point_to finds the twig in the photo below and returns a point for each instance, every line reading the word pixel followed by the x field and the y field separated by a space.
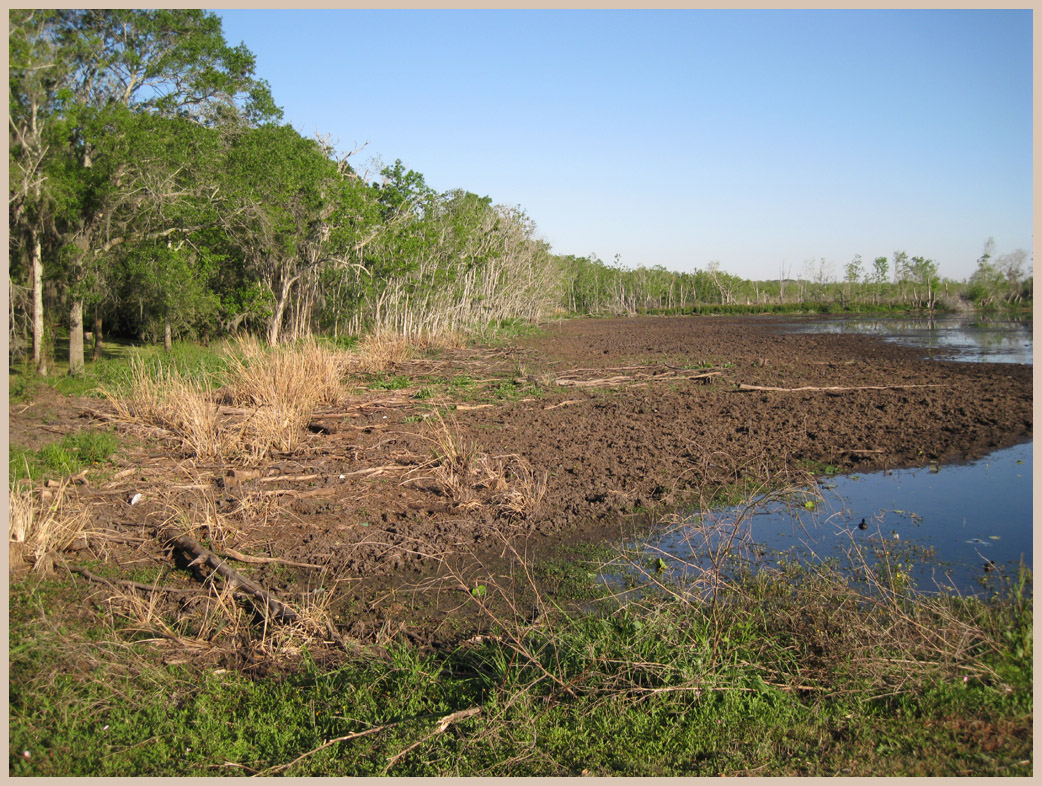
pixel 373 470
pixel 565 403
pixel 133 584
pixel 743 386
pixel 274 478
pixel 442 726
pixel 238 555
pixel 323 746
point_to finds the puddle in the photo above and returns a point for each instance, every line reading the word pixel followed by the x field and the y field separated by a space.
pixel 971 339
pixel 956 528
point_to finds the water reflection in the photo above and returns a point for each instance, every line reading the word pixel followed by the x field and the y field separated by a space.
pixel 976 338
pixel 958 528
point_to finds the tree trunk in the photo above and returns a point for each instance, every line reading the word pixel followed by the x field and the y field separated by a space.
pixel 275 326
pixel 39 356
pixel 168 343
pixel 76 337
pixel 98 349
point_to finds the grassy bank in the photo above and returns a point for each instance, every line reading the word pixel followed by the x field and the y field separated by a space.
pixel 778 676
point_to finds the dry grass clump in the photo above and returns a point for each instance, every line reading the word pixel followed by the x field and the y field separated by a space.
pixel 42 523
pixel 281 387
pixel 221 619
pixel 472 478
pixel 379 351
pixel 275 390
pixel 164 399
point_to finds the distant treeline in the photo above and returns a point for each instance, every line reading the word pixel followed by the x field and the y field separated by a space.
pixel 154 191
pixel 592 286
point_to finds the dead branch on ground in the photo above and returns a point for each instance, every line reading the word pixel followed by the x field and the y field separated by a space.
pixel 833 388
pixel 262 600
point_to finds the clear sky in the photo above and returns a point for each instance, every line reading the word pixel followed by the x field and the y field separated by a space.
pixel 758 139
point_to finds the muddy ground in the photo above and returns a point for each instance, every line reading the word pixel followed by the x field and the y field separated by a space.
pixel 617 417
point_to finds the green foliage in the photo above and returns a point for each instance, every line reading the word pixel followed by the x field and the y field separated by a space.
pixel 694 690
pixel 72 454
pixel 389 383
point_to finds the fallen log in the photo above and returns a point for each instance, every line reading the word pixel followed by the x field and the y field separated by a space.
pixel 262 600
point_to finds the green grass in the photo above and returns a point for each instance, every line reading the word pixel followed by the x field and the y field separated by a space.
pixel 382 382
pixel 506 331
pixel 70 456
pixel 743 686
pixel 113 369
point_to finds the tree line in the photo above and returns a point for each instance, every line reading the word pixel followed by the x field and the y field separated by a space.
pixel 155 191
pixel 899 281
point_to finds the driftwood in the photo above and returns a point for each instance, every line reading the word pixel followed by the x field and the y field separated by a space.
pixel 262 600
pixel 443 725
pixel 441 728
pixel 836 388
pixel 565 403
pixel 635 379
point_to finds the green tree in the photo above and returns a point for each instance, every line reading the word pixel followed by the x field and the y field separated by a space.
pixel 922 273
pixel 164 63
pixel 37 69
pixel 852 272
pixel 280 186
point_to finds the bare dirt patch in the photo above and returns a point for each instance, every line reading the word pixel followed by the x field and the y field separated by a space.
pixel 558 439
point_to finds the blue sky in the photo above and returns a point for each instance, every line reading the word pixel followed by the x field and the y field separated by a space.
pixel 758 139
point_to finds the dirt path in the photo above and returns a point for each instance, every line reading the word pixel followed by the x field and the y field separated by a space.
pixel 613 416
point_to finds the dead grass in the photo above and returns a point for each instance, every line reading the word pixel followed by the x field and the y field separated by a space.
pixel 43 522
pixel 281 388
pixel 273 393
pixel 472 478
pixel 215 622
pixel 377 352
pixel 183 408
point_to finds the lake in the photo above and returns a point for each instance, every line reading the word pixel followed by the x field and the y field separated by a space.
pixel 960 527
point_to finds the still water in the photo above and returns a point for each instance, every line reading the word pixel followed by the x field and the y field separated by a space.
pixel 976 338
pixel 961 528
pixel 953 528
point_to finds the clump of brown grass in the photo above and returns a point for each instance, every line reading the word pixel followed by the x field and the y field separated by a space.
pixel 214 622
pixel 453 460
pixel 522 489
pixel 281 387
pixel 379 351
pixel 471 477
pixel 43 522
pixel 277 390
pixel 164 399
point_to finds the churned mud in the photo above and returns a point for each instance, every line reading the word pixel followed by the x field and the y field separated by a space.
pixel 488 459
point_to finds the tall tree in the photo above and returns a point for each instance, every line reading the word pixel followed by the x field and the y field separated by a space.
pixel 37 68
pixel 166 63
pixel 281 184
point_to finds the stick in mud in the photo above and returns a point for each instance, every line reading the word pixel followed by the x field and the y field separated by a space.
pixel 264 601
pixel 831 388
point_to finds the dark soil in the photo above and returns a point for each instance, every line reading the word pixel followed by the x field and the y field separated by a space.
pixel 623 416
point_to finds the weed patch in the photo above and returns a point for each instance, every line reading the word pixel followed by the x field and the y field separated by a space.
pixel 74 453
